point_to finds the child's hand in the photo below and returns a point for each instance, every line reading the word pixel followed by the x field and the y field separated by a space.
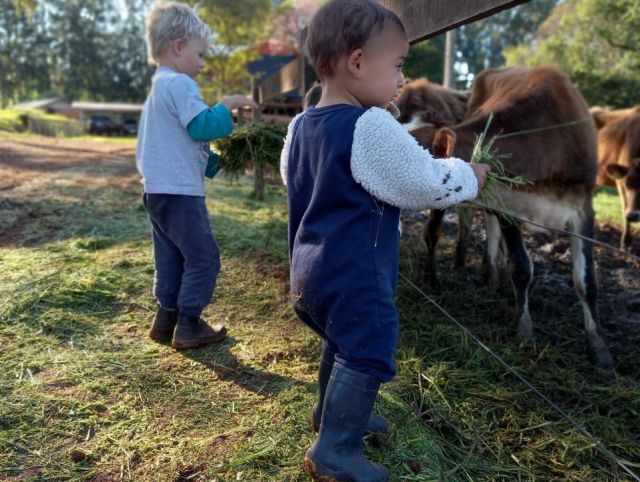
pixel 480 170
pixel 237 101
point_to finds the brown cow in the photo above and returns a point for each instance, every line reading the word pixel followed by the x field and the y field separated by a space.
pixel 619 161
pixel 424 107
pixel 561 164
pixel 424 103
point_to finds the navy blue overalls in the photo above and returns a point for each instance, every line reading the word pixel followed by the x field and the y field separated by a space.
pixel 343 245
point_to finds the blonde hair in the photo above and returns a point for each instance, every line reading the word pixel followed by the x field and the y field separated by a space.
pixel 169 21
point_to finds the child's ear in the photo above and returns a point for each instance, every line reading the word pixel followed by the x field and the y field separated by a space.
pixel 354 63
pixel 177 45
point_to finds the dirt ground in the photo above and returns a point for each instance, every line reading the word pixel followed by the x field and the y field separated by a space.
pixel 32 167
pixel 551 291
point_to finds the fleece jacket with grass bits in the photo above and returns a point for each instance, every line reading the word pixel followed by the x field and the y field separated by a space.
pixel 176 127
pixel 348 172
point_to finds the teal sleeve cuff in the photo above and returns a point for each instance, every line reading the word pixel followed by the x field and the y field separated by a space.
pixel 213 165
pixel 211 124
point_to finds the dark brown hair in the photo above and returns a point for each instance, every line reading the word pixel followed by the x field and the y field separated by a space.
pixel 342 26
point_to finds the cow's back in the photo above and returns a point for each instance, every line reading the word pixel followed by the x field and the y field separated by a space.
pixel 554 141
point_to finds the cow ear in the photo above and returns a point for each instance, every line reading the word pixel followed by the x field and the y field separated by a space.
pixel 444 142
pixel 616 171
pixel 599 116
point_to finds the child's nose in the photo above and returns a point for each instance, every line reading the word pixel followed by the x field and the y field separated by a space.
pixel 401 81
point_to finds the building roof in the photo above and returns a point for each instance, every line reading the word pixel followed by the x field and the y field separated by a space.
pixel 40 103
pixel 268 64
pixel 107 107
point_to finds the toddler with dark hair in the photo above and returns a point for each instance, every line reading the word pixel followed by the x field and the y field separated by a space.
pixel 350 167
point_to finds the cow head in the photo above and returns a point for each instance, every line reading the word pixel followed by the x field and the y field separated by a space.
pixel 312 96
pixel 628 180
pixel 423 103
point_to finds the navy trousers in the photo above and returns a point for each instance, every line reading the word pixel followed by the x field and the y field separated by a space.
pixel 186 254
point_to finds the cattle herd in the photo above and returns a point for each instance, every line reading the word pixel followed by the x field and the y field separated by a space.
pixel 544 132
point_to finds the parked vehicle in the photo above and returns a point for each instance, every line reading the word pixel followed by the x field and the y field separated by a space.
pixel 129 127
pixel 102 124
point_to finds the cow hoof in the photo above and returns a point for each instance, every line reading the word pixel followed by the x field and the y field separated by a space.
pixel 526 337
pixel 525 329
pixel 599 353
pixel 598 350
pixel 601 359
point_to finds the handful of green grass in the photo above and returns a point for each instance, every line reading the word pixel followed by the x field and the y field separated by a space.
pixel 258 144
pixel 484 152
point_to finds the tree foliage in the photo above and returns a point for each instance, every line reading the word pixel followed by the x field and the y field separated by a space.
pixel 597 42
pixel 23 53
pixel 238 27
pixel 480 45
pixel 80 49
pixel 425 59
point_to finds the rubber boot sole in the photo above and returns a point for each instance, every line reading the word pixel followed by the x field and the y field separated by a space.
pixel 310 469
pixel 198 342
pixel 161 336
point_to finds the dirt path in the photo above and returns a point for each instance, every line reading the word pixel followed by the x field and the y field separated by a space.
pixel 40 176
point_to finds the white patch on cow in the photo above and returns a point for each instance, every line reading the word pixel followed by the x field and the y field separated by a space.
pixel 494 236
pixel 579 279
pixel 525 323
pixel 416 122
pixel 547 209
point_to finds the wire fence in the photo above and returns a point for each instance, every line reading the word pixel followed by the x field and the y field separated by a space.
pixel 599 445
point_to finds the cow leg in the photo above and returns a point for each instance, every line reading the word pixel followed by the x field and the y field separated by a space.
pixel 432 232
pixel 625 240
pixel 494 238
pixel 584 279
pixel 521 271
pixel 464 219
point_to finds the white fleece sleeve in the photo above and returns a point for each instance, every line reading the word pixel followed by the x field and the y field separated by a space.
pixel 390 164
pixel 284 155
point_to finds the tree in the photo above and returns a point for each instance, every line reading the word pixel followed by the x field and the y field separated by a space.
pixel 128 70
pixel 237 28
pixel 425 59
pixel 480 45
pixel 81 49
pixel 597 42
pixel 79 31
pixel 23 53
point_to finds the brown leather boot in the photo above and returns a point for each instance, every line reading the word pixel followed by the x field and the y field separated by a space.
pixel 163 324
pixel 193 331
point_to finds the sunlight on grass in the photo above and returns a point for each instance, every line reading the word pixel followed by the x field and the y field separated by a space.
pixel 606 204
pixel 84 393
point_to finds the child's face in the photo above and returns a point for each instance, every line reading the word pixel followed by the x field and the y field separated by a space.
pixel 191 57
pixel 382 67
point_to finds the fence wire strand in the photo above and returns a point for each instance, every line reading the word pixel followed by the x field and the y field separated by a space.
pixel 484 207
pixel 599 445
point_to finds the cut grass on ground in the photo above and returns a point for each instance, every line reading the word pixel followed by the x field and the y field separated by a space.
pixel 86 395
